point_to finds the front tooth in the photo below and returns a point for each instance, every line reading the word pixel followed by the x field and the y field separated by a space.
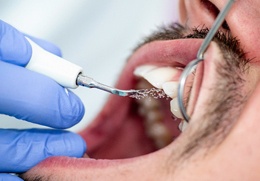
pixel 170 88
pixel 141 70
pixel 175 108
pixel 160 75
pixel 183 125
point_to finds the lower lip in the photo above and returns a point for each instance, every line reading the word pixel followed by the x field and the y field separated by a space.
pixel 80 163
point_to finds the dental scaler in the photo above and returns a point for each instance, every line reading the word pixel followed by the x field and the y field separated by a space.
pixel 66 73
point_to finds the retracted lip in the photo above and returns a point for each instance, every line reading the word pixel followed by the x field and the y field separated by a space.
pixel 175 53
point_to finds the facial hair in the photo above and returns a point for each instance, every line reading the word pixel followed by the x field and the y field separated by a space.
pixel 224 108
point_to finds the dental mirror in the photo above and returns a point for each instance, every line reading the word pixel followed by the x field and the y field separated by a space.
pixel 191 77
pixel 190 84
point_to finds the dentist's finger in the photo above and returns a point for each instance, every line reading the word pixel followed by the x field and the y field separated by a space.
pixel 23 149
pixel 8 177
pixel 36 98
pixel 50 47
pixel 15 48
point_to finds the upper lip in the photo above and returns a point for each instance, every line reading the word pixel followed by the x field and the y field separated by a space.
pixel 175 53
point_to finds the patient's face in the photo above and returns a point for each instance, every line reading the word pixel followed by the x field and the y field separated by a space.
pixel 140 139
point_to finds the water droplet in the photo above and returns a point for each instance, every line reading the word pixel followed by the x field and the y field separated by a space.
pixel 153 92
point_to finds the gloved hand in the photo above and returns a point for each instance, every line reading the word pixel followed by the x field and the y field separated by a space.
pixel 36 98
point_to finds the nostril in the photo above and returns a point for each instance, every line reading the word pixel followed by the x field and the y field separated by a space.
pixel 214 11
pixel 225 25
pixel 210 7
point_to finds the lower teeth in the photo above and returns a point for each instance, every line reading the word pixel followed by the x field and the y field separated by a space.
pixel 150 109
pixel 160 134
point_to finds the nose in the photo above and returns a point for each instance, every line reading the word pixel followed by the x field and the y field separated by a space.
pixel 197 13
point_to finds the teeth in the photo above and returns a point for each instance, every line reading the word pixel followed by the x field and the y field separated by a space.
pixel 170 88
pixel 155 129
pixel 175 108
pixel 160 134
pixel 183 125
pixel 156 75
pixel 147 105
pixel 160 75
pixel 142 70
pixel 162 78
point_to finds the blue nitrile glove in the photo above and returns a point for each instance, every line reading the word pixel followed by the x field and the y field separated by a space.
pixel 22 149
pixel 28 95
pixel 35 98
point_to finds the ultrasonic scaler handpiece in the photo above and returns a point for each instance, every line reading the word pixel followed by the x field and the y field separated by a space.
pixel 66 73
pixel 91 83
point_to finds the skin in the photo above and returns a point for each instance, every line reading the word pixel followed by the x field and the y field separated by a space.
pixel 222 139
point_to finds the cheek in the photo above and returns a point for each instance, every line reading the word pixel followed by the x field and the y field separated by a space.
pixel 251 80
pixel 248 35
pixel 193 14
pixel 244 22
pixel 182 12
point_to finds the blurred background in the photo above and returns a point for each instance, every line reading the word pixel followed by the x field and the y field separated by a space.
pixel 98 35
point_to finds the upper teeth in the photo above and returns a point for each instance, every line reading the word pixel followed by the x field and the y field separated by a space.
pixel 163 78
pixel 157 76
pixel 170 88
pixel 175 108
pixel 140 71
pixel 183 125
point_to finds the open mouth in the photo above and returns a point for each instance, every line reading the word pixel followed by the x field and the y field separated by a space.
pixel 129 131
pixel 129 136
pixel 127 127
